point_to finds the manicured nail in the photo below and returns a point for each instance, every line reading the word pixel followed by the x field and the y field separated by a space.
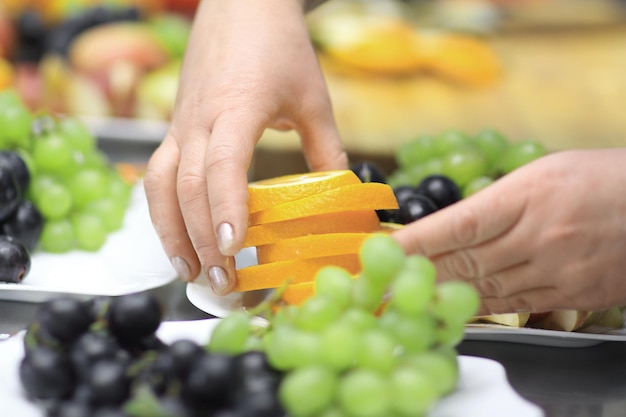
pixel 225 238
pixel 218 280
pixel 182 268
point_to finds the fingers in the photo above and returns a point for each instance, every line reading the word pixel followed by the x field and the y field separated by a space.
pixel 321 144
pixel 193 198
pixel 531 301
pixel 470 222
pixel 160 186
pixel 228 157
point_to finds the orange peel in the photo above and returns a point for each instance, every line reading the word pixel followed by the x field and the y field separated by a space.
pixel 362 196
pixel 267 193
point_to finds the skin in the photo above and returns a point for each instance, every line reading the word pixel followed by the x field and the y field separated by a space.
pixel 550 235
pixel 249 66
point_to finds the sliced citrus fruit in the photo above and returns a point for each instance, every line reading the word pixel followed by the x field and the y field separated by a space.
pixel 311 246
pixel 274 191
pixel 273 275
pixel 342 222
pixel 297 294
pixel 362 196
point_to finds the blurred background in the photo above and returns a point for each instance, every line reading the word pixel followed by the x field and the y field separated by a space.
pixel 553 71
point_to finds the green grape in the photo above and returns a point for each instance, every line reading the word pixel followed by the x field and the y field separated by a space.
pixel 334 282
pixel 231 334
pixel 432 166
pixel 111 214
pixel 53 154
pixel 88 185
pixel 289 348
pixel 307 392
pixel 398 178
pixel 78 135
pixel 493 144
pixel 53 200
pixel 415 334
pixel 377 351
pixel 16 121
pixel 412 393
pixel 317 312
pixel 119 190
pixel 94 159
pixel 9 98
pixel 463 165
pixel 439 367
pixel 450 334
pixel 57 236
pixel 450 141
pixel 284 316
pixel 519 154
pixel 339 345
pixel 381 258
pixel 415 152
pixel 415 174
pixel 39 183
pixel 476 185
pixel 253 343
pixel 364 393
pixel 367 295
pixel 332 412
pixel 456 302
pixel 413 290
pixel 359 319
pixel 89 231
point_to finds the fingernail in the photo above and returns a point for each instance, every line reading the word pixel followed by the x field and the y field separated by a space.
pixel 218 279
pixel 225 238
pixel 182 268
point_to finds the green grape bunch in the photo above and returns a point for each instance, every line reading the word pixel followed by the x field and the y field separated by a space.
pixel 380 344
pixel 60 193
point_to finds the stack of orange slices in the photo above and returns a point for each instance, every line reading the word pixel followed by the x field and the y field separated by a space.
pixel 301 223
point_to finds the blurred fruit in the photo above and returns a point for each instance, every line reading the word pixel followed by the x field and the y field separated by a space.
pixel 156 92
pixel 510 319
pixel 462 59
pixel 377 44
pixel 14 260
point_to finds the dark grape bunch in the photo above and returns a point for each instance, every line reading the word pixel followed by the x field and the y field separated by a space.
pixel 58 191
pixel 436 171
pixel 20 220
pixel 102 358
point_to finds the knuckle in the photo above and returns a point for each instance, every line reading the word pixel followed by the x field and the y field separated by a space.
pixel 461 264
pixel 466 227
pixel 489 287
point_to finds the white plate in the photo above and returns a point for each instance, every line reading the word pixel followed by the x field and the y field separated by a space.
pixel 131 260
pixel 483 389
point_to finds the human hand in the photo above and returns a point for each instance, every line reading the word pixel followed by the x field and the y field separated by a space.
pixel 249 66
pixel 550 235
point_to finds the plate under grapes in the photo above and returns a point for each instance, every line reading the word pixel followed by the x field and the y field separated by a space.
pixel 131 260
pixel 482 390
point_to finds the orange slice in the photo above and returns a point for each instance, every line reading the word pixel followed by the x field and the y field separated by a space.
pixel 343 222
pixel 274 191
pixel 362 196
pixel 273 275
pixel 311 246
pixel 297 294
